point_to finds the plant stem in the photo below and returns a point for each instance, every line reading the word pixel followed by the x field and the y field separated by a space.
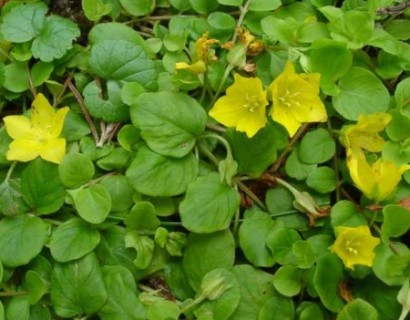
pixel 10 172
pixel 13 293
pixel 87 116
pixel 249 193
pixel 244 11
pixel 288 148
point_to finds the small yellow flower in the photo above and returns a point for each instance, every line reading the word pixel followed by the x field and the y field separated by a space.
pixel 243 106
pixel 296 99
pixel 202 54
pixel 38 135
pixel 365 133
pixel 355 245
pixel 377 181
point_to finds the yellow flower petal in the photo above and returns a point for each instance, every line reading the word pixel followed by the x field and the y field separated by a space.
pixel 296 99
pixel 42 113
pixel 23 150
pixel 243 106
pixel 365 133
pixel 196 68
pixel 361 172
pixel 58 122
pixel 19 127
pixel 53 150
pixel 355 245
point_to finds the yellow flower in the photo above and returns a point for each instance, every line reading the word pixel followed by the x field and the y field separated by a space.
pixel 38 135
pixel 296 99
pixel 365 133
pixel 243 106
pixel 377 181
pixel 355 245
pixel 202 54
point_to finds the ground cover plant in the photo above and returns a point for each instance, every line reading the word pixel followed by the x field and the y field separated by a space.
pixel 204 159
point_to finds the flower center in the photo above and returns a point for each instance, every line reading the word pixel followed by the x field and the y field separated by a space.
pixel 351 246
pixel 252 103
pixel 288 98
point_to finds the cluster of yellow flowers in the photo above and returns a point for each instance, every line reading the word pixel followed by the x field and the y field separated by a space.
pixel 379 180
pixel 295 100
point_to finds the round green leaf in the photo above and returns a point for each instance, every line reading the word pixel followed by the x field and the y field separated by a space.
pixel 264 5
pixel 23 23
pixel 326 283
pixel 288 280
pixel 221 21
pixel 204 6
pixel 94 10
pixel 252 239
pixel 16 77
pixel 142 217
pixel 138 8
pixel 399 126
pixel 280 242
pixel 277 308
pixel 209 205
pixel 18 308
pixel 204 253
pixel 317 146
pixel 75 170
pixel 77 287
pixel 93 204
pixel 169 122
pixel 396 221
pixel 322 180
pixel 304 254
pixel 121 192
pixel 22 238
pixel 41 186
pixel 114 31
pixel 73 239
pixel 358 309
pixel 111 109
pixel 35 285
pixel 361 92
pixel 163 310
pixel 40 72
pixel 155 175
pixel 297 169
pixel 344 213
pixel 122 60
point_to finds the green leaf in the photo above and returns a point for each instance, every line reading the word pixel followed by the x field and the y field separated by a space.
pixel 93 204
pixel 77 287
pixel 11 199
pixel 253 233
pixel 55 38
pixel 332 60
pixel 204 6
pixel 288 280
pixel 399 126
pixel 326 283
pixel 41 186
pixel 138 8
pixel 235 3
pixel 322 179
pixel 303 251
pixel 361 92
pixel 23 22
pixel 142 217
pixel 22 238
pixel 402 97
pixel 223 294
pixel 75 127
pixel 18 308
pixel 396 221
pixel 317 146
pixel 73 239
pixel 35 285
pixel 256 289
pixel 111 108
pixel 16 77
pixel 115 160
pixel 144 246
pixel 264 5
pixel 310 310
pixel 277 308
pixel 209 205
pixel 280 241
pixel 122 303
pixel 255 155
pixel 297 169
pixel 130 92
pixel 40 72
pixel 121 192
pixel 169 122
pixel 123 60
pixel 155 175
pixel 358 309
pixel 205 253
pixel 163 310
pixel 94 10
pixel 344 213
pixel 75 170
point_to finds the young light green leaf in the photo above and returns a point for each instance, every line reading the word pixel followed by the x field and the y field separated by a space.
pixel 75 170
pixel 55 38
